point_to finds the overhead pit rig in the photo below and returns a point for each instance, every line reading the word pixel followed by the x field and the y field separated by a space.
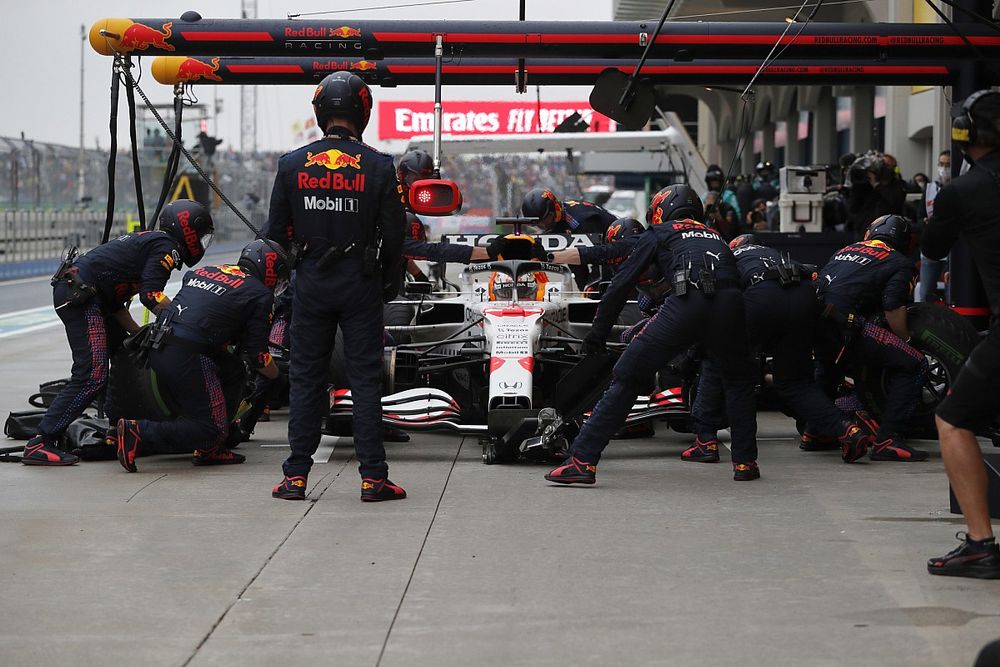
pixel 717 54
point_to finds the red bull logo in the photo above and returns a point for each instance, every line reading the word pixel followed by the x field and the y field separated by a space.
pixel 270 269
pixel 193 69
pixel 657 218
pixel 232 270
pixel 139 37
pixel 363 65
pixel 191 239
pixel 333 159
pixel 345 32
pixel 228 275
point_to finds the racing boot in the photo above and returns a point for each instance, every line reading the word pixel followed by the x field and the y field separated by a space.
pixel 290 488
pixel 40 452
pixel 746 472
pixel 127 440
pixel 216 457
pixel 703 451
pixel 813 442
pixel 377 490
pixel 978 559
pixel 894 448
pixel 865 420
pixel 854 442
pixel 573 471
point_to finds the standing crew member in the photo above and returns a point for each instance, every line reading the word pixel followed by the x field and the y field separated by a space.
pixel 216 306
pixel 706 305
pixel 569 217
pixel 862 284
pixel 340 199
pixel 782 315
pixel 91 295
pixel 970 207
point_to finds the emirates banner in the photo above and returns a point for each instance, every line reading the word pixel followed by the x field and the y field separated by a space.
pixel 403 120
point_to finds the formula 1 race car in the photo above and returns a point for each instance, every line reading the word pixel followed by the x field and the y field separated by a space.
pixel 486 360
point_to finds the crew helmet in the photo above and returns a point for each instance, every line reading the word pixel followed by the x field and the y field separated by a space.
pixel 265 260
pixel 190 224
pixel 675 202
pixel 544 205
pixel 894 230
pixel 343 95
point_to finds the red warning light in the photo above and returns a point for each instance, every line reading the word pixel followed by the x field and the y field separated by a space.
pixel 432 196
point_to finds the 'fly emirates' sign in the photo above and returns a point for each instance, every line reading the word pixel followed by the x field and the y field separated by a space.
pixel 402 120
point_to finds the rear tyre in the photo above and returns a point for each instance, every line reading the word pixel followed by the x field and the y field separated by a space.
pixel 946 339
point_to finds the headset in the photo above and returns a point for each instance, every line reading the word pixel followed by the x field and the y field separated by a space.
pixel 963 126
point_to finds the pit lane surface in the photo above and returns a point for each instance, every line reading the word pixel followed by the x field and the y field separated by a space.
pixel 663 562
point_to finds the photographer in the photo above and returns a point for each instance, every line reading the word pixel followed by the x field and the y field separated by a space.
pixel 876 190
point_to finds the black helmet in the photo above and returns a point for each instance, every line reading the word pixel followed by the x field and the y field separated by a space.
pixel 265 260
pixel 742 240
pixel 343 95
pixel 190 224
pixel 623 228
pixel 894 230
pixel 413 166
pixel 761 166
pixel 540 203
pixel 674 202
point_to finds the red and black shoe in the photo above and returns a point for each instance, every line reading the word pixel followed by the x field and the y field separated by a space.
pixel 864 419
pixel 377 490
pixel 703 451
pixel 40 452
pixel 573 471
pixel 127 441
pixel 969 559
pixel 854 443
pixel 812 442
pixel 265 415
pixel 290 488
pixel 216 457
pixel 746 472
pixel 894 448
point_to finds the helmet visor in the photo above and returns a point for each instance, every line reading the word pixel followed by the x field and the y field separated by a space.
pixel 206 241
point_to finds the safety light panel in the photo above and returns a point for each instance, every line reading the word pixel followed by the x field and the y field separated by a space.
pixel 433 196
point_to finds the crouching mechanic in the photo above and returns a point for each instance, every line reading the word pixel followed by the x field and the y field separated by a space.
pixel 216 305
pixel 91 295
pixel 970 207
pixel 782 315
pixel 862 284
pixel 352 264
pixel 705 306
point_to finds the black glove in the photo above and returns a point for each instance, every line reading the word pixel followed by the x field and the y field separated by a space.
pixel 594 344
pixel 496 248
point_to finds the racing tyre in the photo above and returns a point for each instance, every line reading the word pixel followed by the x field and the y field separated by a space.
pixel 946 339
pixel 135 390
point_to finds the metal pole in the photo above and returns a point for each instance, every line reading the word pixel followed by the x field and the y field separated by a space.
pixel 966 293
pixel 80 170
pixel 438 57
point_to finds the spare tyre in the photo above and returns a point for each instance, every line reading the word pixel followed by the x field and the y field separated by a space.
pixel 946 339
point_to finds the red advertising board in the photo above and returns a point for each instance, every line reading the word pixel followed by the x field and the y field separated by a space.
pixel 403 119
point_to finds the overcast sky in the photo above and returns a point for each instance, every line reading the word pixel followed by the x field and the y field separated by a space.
pixel 42 48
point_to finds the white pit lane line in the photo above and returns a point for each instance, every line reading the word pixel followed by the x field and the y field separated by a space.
pixel 21 322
